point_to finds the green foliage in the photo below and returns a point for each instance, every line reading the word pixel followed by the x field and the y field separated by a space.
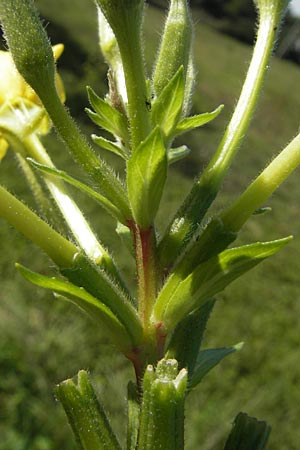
pixel 179 177
pixel 146 177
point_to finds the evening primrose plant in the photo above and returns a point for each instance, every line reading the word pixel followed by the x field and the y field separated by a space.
pixel 180 271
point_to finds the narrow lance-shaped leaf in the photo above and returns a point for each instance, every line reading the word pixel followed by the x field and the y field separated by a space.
pixel 104 202
pixel 146 177
pixel 189 123
pixel 94 308
pixel 208 359
pixel 167 108
pixel 107 117
pixel 86 415
pixel 187 337
pixel 113 147
pixel 210 278
pixel 248 433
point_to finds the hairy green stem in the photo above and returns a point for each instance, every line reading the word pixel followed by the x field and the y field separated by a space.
pixel 60 250
pixel 204 191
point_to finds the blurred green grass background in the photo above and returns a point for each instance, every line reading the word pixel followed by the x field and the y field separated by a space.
pixel 43 342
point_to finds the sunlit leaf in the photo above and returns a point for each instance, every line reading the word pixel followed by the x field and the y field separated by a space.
pixel 110 146
pixel 80 297
pixel 107 117
pixel 167 108
pixel 146 177
pixel 192 122
pixel 211 277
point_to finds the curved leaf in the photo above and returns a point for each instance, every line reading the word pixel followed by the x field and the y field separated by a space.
pixel 189 123
pixel 210 278
pixel 93 307
pixel 167 108
pixel 107 117
pixel 146 177
pixel 208 359
pixel 112 147
pixel 104 202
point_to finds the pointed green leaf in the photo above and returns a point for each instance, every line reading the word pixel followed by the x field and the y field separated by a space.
pixel 167 108
pixel 190 123
pixel 187 337
pixel 86 415
pixel 248 433
pixel 95 309
pixel 208 359
pixel 107 117
pixel 209 278
pixel 178 153
pixel 146 177
pixel 104 202
pixel 110 146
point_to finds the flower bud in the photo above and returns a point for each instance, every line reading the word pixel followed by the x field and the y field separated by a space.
pixel 175 45
pixel 121 15
pixel 29 44
pixel 110 50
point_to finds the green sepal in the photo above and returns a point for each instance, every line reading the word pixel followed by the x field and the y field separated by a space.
pixel 107 117
pixel 94 308
pixel 189 123
pixel 167 108
pixel 187 337
pixel 146 177
pixel 86 415
pixel 103 201
pixel 208 359
pixel 98 283
pixel 248 433
pixel 209 278
pixel 133 415
pixel 112 147
pixel 178 153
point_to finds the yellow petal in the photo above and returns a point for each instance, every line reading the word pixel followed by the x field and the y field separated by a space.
pixel 3 147
pixel 57 50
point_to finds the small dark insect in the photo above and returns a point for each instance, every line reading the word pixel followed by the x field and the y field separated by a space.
pixel 148 105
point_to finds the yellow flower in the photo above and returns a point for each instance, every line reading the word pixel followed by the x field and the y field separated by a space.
pixel 14 89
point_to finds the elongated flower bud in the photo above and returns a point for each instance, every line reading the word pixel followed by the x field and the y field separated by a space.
pixel 175 45
pixel 28 44
pixel 121 13
pixel 110 50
